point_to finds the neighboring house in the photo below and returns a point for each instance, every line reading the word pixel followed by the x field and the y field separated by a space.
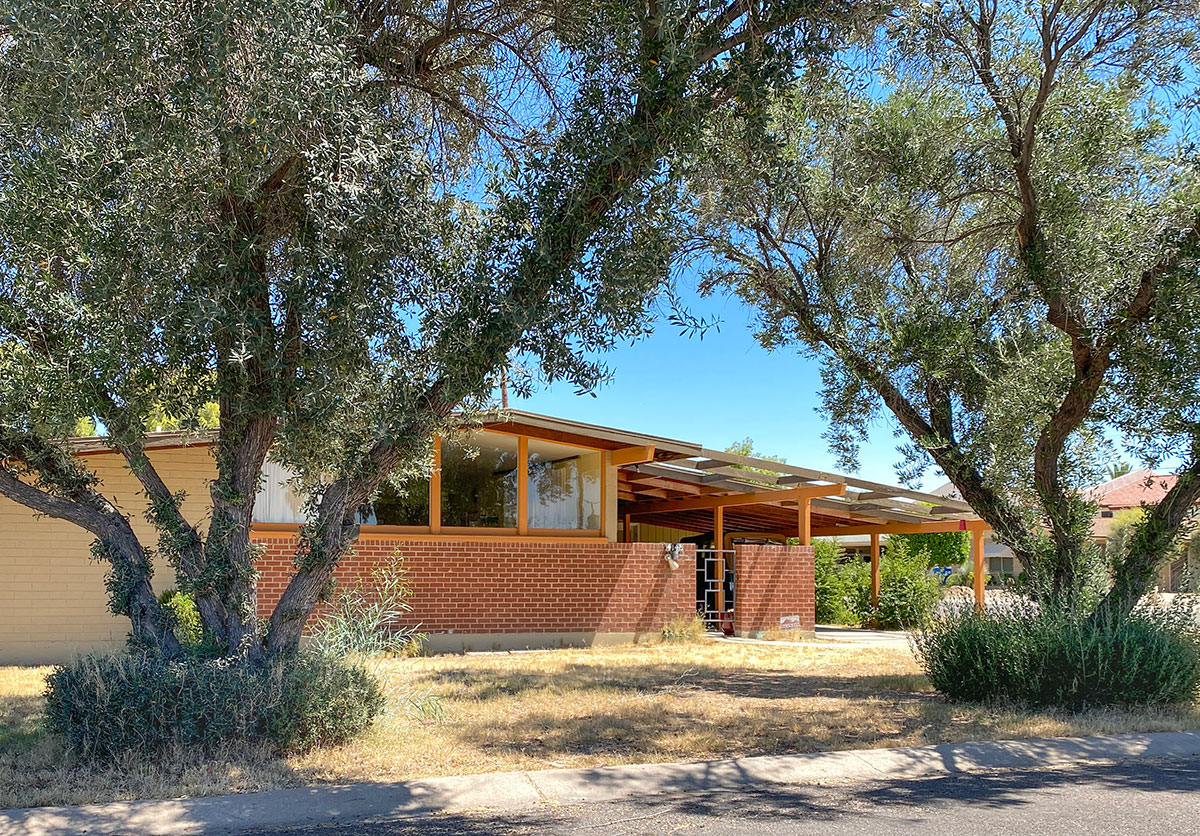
pixel 531 531
pixel 1125 493
pixel 1131 492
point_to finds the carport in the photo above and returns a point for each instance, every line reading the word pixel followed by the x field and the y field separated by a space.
pixel 732 497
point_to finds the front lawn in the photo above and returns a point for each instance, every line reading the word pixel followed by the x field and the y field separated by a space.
pixel 563 708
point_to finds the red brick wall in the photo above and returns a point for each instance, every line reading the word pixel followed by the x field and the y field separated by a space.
pixel 774 581
pixel 515 587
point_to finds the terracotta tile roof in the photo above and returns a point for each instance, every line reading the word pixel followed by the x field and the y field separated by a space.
pixel 1132 489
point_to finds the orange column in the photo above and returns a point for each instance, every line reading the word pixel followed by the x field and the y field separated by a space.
pixel 805 521
pixel 719 543
pixel 523 485
pixel 875 573
pixel 435 488
pixel 627 532
pixel 980 576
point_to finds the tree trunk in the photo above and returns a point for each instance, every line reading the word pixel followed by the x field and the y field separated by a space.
pixel 229 555
pixel 130 573
pixel 322 546
pixel 130 592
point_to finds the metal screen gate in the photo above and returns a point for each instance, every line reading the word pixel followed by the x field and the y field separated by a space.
pixel 715 585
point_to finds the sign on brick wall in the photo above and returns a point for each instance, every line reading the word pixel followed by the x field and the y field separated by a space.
pixel 789 622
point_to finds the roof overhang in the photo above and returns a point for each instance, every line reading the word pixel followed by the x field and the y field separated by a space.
pixel 756 495
pixel 660 480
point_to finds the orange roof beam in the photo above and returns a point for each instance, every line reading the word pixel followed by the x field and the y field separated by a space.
pixel 633 455
pixel 799 494
pixel 903 528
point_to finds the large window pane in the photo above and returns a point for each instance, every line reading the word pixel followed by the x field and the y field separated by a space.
pixel 407 504
pixel 479 481
pixel 564 486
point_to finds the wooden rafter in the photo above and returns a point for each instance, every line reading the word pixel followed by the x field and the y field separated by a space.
pixel 878 490
pixel 902 528
pixel 727 500
pixel 633 455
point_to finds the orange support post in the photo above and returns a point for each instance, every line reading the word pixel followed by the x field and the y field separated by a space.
pixel 980 576
pixel 875 571
pixel 435 488
pixel 805 521
pixel 719 563
pixel 523 485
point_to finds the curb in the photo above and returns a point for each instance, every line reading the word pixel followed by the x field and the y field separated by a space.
pixel 514 791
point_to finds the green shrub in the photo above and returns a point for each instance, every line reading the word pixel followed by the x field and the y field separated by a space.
pixel 907 593
pixel 185 618
pixel 966 579
pixel 834 583
pixel 941 548
pixel 1019 655
pixel 365 616
pixel 106 706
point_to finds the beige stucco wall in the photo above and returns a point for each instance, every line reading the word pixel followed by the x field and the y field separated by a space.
pixel 53 603
pixel 645 533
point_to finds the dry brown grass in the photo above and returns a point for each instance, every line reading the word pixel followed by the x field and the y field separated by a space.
pixel 562 708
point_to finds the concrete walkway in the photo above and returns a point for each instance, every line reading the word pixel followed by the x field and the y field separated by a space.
pixel 863 638
pixel 826 633
pixel 512 792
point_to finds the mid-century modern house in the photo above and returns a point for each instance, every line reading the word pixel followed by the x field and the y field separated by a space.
pixel 530 531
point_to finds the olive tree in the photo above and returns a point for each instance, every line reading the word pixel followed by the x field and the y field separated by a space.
pixel 988 225
pixel 338 222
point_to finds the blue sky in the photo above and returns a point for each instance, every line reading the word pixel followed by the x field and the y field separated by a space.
pixel 718 390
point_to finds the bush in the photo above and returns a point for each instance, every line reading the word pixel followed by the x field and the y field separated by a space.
pixel 834 583
pixel 941 548
pixel 107 706
pixel 684 629
pixel 1022 655
pixel 185 618
pixel 967 579
pixel 907 593
pixel 365 616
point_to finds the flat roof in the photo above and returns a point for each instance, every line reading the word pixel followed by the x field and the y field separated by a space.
pixel 662 490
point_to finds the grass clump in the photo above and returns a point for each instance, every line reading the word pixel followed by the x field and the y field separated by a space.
pixel 683 628
pixel 366 617
pixel 109 706
pixel 1022 655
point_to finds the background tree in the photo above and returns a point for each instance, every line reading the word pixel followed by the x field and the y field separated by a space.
pixel 941 548
pixel 1117 469
pixel 983 237
pixel 337 222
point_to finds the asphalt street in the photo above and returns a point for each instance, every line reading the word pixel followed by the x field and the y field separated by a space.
pixel 1129 799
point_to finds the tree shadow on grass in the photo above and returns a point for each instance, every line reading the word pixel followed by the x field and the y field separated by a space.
pixel 21 722
pixel 688 729
pixel 740 682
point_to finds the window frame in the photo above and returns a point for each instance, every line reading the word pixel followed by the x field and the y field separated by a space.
pixel 435 526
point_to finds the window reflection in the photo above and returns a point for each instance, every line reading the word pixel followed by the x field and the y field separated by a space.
pixel 406 504
pixel 479 481
pixel 564 486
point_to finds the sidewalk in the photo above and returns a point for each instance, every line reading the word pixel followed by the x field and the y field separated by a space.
pixel 517 791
